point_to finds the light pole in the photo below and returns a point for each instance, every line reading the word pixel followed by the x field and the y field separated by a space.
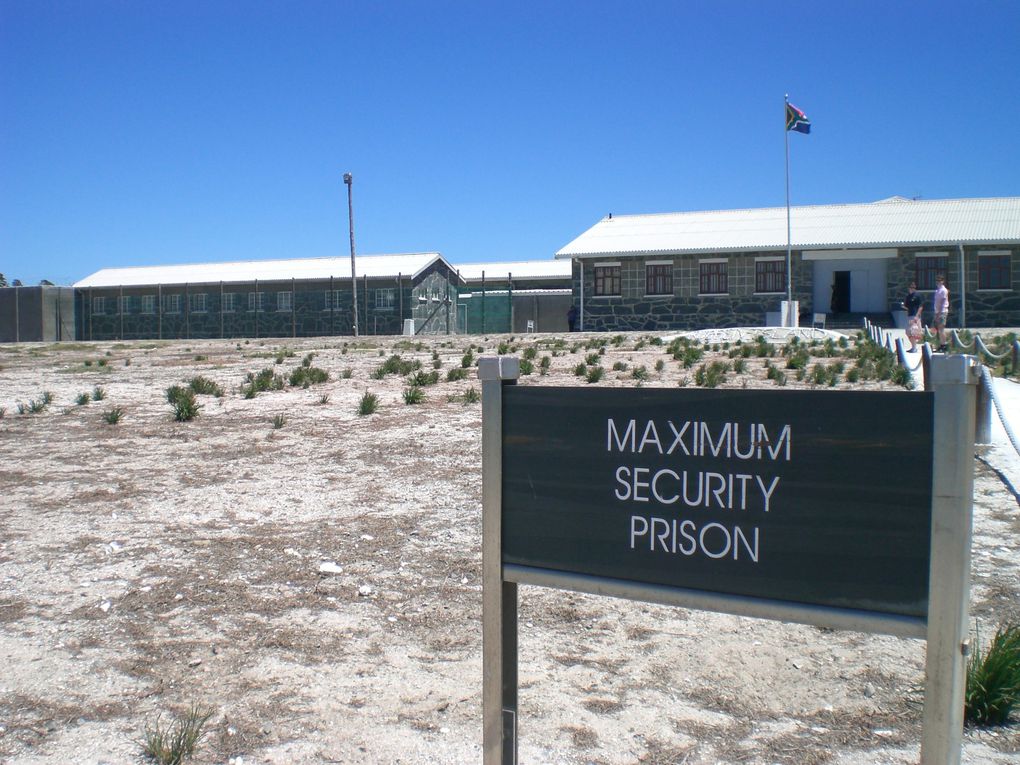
pixel 349 180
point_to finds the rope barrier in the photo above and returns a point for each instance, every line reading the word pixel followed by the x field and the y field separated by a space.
pixel 987 381
pixel 958 342
pixel 982 348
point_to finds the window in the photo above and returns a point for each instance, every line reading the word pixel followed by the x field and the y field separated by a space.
pixel 385 299
pixel 770 275
pixel 331 300
pixel 197 302
pixel 256 301
pixel 993 271
pixel 149 304
pixel 928 267
pixel 171 304
pixel 284 301
pixel 607 280
pixel 229 302
pixel 124 304
pixel 98 305
pixel 712 279
pixel 659 279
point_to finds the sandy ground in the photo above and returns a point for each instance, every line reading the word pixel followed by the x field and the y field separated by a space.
pixel 153 565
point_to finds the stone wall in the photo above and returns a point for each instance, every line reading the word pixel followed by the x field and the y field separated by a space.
pixel 685 308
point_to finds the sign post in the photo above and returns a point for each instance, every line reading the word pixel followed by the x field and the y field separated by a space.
pixel 840 510
pixel 499 597
pixel 955 382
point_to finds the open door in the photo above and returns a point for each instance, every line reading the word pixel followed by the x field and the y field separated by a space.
pixel 840 292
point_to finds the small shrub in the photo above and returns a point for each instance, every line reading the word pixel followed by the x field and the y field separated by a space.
pixel 47 398
pixel 472 396
pixel 580 370
pixel 102 362
pixel 620 366
pixel 413 395
pixel 592 359
pixel 205 387
pixel 467 359
pixel 639 373
pixel 503 348
pixel 527 367
pixel 544 364
pixel 993 678
pixel 324 399
pixel 98 393
pixel 659 365
pixel 82 399
pixel 456 373
pixel 594 374
pixel 740 366
pixel 182 401
pixel 530 353
pixel 87 362
pixel 279 421
pixel 347 374
pixel 175 743
pixel 421 379
pixel 304 376
pixel 369 404
pixel 112 416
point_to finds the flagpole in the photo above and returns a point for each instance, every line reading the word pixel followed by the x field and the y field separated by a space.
pixel 789 271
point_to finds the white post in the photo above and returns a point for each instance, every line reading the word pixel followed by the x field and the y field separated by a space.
pixel 954 381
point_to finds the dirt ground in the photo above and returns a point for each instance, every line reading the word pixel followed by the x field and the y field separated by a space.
pixel 152 565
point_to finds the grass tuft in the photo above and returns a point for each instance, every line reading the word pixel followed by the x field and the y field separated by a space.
pixel 170 745
pixel 369 404
pixel 113 416
pixel 993 679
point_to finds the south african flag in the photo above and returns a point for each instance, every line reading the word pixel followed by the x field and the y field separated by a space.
pixel 797 120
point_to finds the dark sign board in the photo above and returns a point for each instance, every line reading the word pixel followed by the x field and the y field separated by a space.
pixel 813 497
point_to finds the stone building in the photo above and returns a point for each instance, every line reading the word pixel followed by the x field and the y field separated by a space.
pixel 728 268
pixel 269 298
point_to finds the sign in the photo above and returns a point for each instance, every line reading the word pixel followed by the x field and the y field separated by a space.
pixel 811 497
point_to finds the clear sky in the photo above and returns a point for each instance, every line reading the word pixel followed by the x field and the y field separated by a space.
pixel 149 133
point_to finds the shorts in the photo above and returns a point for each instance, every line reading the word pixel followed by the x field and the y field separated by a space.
pixel 940 320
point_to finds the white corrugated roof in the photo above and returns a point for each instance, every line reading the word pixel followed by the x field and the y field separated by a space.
pixel 372 266
pixel 520 269
pixel 890 222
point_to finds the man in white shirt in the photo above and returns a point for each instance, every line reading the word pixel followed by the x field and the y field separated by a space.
pixel 940 307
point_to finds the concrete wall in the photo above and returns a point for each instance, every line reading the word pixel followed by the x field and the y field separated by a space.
pixel 36 314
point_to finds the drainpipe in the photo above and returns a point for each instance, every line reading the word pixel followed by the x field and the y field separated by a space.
pixel 581 325
pixel 963 290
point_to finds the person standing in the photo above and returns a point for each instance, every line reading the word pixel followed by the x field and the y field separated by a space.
pixel 940 306
pixel 572 317
pixel 914 307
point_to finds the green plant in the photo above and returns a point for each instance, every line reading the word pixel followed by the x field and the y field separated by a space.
pixel 182 401
pixel 369 404
pixel 711 375
pixel 527 367
pixel 993 678
pixel 420 379
pixel 659 365
pixel 740 366
pixel 414 395
pixel 204 386
pixel 304 376
pixel 619 366
pixel 102 362
pixel 170 745
pixel 278 421
pixel 472 396
pixel 112 416
pixel 98 393
pixel 87 362
pixel 580 370
pixel 347 374
pixel 594 374
pixel 544 364
pixel 503 348
pixel 456 373
pixel 467 359
pixel 324 399
pixel 640 373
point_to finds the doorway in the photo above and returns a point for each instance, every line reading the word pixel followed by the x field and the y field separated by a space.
pixel 840 292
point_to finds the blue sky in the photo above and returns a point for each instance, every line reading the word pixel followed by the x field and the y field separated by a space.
pixel 146 133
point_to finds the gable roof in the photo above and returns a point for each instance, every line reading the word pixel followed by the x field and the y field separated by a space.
pixel 888 223
pixel 372 266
